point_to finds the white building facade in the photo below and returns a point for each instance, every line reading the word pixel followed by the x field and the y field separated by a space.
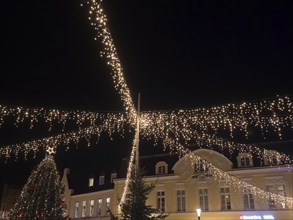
pixel 182 187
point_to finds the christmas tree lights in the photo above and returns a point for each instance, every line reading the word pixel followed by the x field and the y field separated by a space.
pixel 41 197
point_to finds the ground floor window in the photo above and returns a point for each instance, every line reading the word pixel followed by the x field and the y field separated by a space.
pixel 225 198
pixel 161 201
pixel 181 201
pixel 203 199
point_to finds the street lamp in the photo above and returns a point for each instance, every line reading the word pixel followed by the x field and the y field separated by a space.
pixel 198 213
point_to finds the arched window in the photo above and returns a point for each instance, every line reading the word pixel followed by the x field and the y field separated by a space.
pixel 161 167
pixel 244 160
pixel 271 158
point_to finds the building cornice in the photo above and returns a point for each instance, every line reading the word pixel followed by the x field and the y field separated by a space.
pixel 256 170
pixel 93 193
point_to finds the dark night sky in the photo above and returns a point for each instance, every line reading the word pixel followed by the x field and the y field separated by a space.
pixel 177 54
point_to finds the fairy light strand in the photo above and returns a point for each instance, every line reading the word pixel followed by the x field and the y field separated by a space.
pixel 110 125
pixel 98 21
pixel 32 116
pixel 130 168
pixel 266 115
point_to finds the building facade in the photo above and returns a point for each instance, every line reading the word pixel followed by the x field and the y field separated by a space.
pixel 182 187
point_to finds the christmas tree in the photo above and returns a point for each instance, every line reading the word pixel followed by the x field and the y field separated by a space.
pixel 41 197
pixel 135 206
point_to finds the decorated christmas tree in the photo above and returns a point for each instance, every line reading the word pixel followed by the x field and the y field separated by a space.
pixel 41 197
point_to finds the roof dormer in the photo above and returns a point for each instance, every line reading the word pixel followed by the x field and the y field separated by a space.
pixel 244 160
pixel 161 168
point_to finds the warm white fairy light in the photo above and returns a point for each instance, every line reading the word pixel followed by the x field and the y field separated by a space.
pixel 200 127
pixel 49 116
pixel 130 168
pixel 98 20
pixel 112 123
pixel 265 115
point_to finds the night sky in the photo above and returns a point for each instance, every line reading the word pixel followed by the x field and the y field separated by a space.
pixel 177 54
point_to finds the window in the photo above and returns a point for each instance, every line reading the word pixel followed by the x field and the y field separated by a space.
pixel 91 181
pixel 101 180
pixel 225 198
pixel 83 209
pixel 113 176
pixel 248 200
pixel 161 167
pixel 244 160
pixel 271 158
pixel 203 199
pixel 181 201
pixel 100 204
pixel 161 201
pixel 108 202
pixel 277 189
pixel 201 166
pixel 92 202
pixel 76 209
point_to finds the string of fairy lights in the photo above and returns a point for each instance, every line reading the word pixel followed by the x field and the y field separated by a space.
pixel 32 116
pixel 175 128
pixel 112 123
pixel 130 167
pixel 98 20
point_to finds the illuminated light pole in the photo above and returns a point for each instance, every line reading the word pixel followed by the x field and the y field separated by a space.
pixel 198 211
pixel 138 127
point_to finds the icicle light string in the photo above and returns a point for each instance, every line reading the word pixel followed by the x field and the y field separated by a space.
pixel 197 137
pixel 219 174
pixel 35 115
pixel 110 125
pixel 98 20
pixel 267 115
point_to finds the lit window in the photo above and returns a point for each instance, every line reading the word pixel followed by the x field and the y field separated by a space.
pixel 76 209
pixel 108 203
pixel 248 200
pixel 92 202
pixel 113 176
pixel 161 201
pixel 225 198
pixel 100 204
pixel 276 189
pixel 203 199
pixel 83 209
pixel 91 182
pixel 101 180
pixel 181 201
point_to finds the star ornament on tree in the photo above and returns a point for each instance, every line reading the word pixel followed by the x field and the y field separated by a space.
pixel 51 150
